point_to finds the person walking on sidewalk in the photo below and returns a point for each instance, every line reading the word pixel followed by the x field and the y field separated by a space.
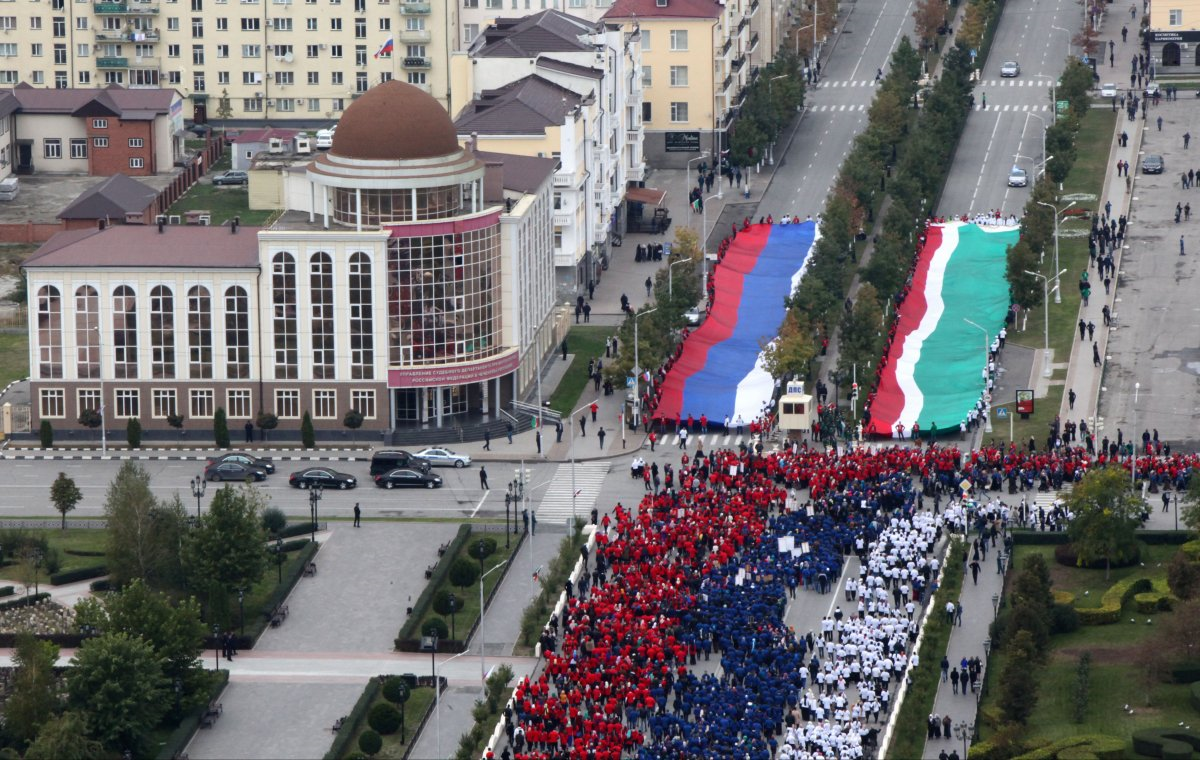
pixel 558 431
pixel 483 483
pixel 583 425
pixel 600 434
pixel 1181 245
pixel 954 680
pixel 1071 399
pixel 487 440
pixel 1095 354
pixel 945 668
pixel 974 575
pixel 357 516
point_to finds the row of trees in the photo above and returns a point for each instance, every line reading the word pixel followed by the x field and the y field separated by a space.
pixel 770 104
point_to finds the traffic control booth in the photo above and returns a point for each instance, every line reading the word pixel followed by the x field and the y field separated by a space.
pixel 795 411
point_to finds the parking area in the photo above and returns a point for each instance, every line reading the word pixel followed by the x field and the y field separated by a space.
pixel 43 196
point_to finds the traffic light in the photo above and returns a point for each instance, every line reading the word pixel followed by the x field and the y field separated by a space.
pixel 854 392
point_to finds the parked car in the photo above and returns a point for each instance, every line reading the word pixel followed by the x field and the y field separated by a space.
pixel 200 130
pixel 1152 164
pixel 1151 89
pixel 695 315
pixel 321 476
pixel 1108 90
pixel 324 138
pixel 404 478
pixel 444 457
pixel 383 461
pixel 246 459
pixel 1017 177
pixel 234 471
pixel 1010 69
pixel 231 178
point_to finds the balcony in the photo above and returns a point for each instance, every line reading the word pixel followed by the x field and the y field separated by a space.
pixel 415 9
pixel 633 136
pixel 753 9
pixel 739 62
pixel 112 62
pixel 415 35
pixel 136 7
pixel 726 85
pixel 563 220
pixel 145 62
pixel 753 43
pixel 726 48
pixel 416 62
pixel 564 179
pixel 745 22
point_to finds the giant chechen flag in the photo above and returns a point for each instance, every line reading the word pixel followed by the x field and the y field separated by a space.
pixel 935 368
pixel 720 371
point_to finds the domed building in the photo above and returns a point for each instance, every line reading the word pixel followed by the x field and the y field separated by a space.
pixel 411 281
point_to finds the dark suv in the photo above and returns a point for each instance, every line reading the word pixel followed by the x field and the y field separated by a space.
pixel 386 461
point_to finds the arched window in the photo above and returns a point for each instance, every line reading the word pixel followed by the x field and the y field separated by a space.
pixel 87 333
pixel 283 298
pixel 125 334
pixel 50 339
pixel 362 336
pixel 199 333
pixel 162 333
pixel 321 292
pixel 237 333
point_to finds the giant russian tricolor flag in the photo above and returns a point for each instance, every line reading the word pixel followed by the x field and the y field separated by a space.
pixel 935 364
pixel 719 371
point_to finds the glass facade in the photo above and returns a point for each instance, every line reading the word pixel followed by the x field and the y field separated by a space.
pixel 125 343
pixel 162 333
pixel 49 320
pixel 393 206
pixel 283 298
pixel 200 363
pixel 321 294
pixel 87 333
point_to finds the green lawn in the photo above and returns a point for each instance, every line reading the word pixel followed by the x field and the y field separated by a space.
pixel 586 343
pixel 468 598
pixel 224 203
pixel 14 356
pixel 393 748
pixel 1079 581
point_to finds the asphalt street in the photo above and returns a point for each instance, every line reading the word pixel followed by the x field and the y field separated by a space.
pixel 1008 131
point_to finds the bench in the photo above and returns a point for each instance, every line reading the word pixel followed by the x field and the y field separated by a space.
pixel 442 549
pixel 311 569
pixel 278 615
pixel 211 714
pixel 337 724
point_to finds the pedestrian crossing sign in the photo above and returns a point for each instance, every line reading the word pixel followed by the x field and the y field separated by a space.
pixel 1001 412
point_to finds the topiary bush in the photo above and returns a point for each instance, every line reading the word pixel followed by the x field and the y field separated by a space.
pixel 384 718
pixel 464 573
pixel 435 626
pixel 482 548
pixel 1063 619
pixel 133 433
pixel 370 742
pixel 396 690
pixel 308 436
pixel 441 603
pixel 274 520
pixel 46 433
pixel 1065 554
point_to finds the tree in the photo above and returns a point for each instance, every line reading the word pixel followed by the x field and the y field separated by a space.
pixel 64 494
pixel 930 15
pixel 974 24
pixel 224 107
pixel 175 421
pixel 1183 577
pixel 1190 514
pixel 226 551
pixel 792 350
pixel 370 742
pixel 1025 290
pixel 221 429
pixel 861 330
pixel 1106 515
pixel 353 420
pixel 1032 584
pixel 307 436
pixel 463 573
pixel 266 421
pixel 65 736
pixel 117 681
pixel 1018 685
pixel 273 520
pixel 173 630
pixel 144 533
pixel 46 434
pixel 133 433
pixel 34 697
pixel 90 418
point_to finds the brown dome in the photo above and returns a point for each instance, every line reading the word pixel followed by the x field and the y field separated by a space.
pixel 395 121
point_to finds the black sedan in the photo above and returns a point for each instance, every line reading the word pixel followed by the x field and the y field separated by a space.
pixel 234 471
pixel 246 459
pixel 408 479
pixel 323 477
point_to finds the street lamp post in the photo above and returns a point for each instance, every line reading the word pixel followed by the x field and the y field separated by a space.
pixel 1043 121
pixel 1137 387
pixel 314 498
pixel 216 646
pixel 704 240
pixel 963 731
pixel 987 409
pixel 571 424
pixel 1047 371
pixel 1057 214
pixel 199 484
pixel 438 698
pixel 452 600
pixel 671 277
pixel 242 610
pixel 770 90
pixel 703 155
pixel 1053 96
pixel 1064 31
pixel 482 640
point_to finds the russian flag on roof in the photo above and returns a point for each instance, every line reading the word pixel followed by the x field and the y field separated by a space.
pixel 386 48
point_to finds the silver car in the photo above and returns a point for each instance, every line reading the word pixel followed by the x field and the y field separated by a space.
pixel 444 458
pixel 1010 69
pixel 1017 177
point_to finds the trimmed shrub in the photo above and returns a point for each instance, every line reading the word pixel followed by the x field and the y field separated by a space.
pixel 1167 743
pixel 101 585
pixel 221 429
pixel 370 742
pixel 295 529
pixel 1186 672
pixel 297 545
pixel 435 626
pixel 1113 600
pixel 78 574
pixel 1098 746
pixel 273 520
pixel 384 718
pixel 24 601
pixel 1149 602
pixel 1063 619
pixel 396 690
pixel 7 591
pixel 46 433
pixel 1191 549
pixel 1194 695
pixel 1063 597
pixel 464 573
pixel 133 433
pixel 441 603
pixel 1183 577
pixel 307 436
pixel 1065 554
pixel 482 548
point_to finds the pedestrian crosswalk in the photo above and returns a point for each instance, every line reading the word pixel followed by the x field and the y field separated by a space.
pixel 556 506
pixel 826 84
pixel 852 107
pixel 1015 109
pixel 829 109
pixel 708 440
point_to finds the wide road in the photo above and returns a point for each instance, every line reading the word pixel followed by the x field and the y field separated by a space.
pixel 1009 130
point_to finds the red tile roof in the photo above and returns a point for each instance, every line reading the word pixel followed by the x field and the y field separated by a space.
pixel 673 9
pixel 179 246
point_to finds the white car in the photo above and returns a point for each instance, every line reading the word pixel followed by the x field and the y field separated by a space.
pixel 1108 90
pixel 695 315
pixel 1017 177
pixel 444 458
pixel 1010 69
pixel 324 139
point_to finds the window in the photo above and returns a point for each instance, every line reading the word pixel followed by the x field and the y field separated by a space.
pixel 337 78
pixel 200 404
pixel 360 55
pixel 172 51
pixel 1176 17
pixel 83 50
pixel 237 333
pixel 321 293
pixel 251 24
pixel 172 24
pixel 314 77
pixel 163 402
pixel 283 299
pixel 37 77
pixel 197 27
pixel 78 147
pixel 114 77
pixel 280 24
pixel 222 77
pixel 251 51
pixel 679 111
pixel 470 32
pixel 470 3
pixel 286 105
pixel 53 402
pixel 223 24
pixel 58 26
pixel 35 23
pixel 324 405
pixel 363 402
pixel 87 333
pixel 361 84
pixel 314 104
pixel 385 24
pixel 137 142
pixel 414 24
pixel 647 76
pixel 50 338
pixel 647 112
pixel 85 77
pixel 99 142
pixel 679 76
pixel 124 338
pixel 362 328
pixel 360 28
pixel 52 147
pixel 197 55
pixel 310 25
pixel 9 76
pixel 8 50
pixel 162 333
pixel 60 55
pixel 8 23
pixel 312 51
pixel 335 51
pixel 287 404
pixel 335 25
pixel 88 398
pixel 679 40
pixel 199 326
pixel 128 403
pixel 237 402
pixel 252 105
pixel 137 163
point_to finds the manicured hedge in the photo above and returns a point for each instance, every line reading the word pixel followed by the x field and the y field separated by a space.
pixel 78 574
pixel 1164 537
pixel 296 545
pixel 7 591
pixel 298 529
pixel 104 584
pixel 177 742
pixel 1187 672
pixel 1191 549
pixel 409 637
pixel 1113 600
pixel 1149 602
pixel 1063 597
pixel 1194 695
pixel 1082 747
pixel 341 740
pixel 1065 554
pixel 1168 743
pixel 1039 537
pixel 24 601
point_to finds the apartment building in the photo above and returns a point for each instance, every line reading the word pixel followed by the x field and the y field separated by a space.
pixel 698 56
pixel 477 15
pixel 282 60
pixel 1174 37
pixel 517 63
